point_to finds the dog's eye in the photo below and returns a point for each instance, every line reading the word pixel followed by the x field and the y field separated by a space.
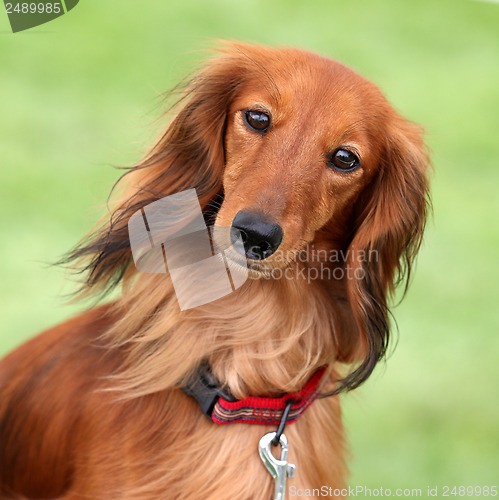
pixel 257 120
pixel 344 160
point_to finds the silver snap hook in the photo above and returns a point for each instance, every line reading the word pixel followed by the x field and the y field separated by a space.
pixel 279 469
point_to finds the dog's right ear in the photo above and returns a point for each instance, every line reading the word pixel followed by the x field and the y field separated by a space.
pixel 190 154
pixel 389 232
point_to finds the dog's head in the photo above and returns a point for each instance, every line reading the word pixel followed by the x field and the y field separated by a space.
pixel 290 149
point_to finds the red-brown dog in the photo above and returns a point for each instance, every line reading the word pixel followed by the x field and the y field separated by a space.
pixel 304 158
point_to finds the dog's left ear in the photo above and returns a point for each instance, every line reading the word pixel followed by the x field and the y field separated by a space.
pixel 388 235
pixel 190 154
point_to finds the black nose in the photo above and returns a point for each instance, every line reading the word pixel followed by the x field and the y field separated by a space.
pixel 260 236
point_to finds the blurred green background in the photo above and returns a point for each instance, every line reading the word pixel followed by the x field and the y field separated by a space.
pixel 80 94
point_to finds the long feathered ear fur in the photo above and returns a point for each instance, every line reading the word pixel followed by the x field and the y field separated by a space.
pixel 387 239
pixel 190 154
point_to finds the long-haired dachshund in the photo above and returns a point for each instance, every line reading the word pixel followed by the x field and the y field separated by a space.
pixel 326 186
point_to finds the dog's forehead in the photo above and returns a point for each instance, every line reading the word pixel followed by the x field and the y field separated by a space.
pixel 302 72
pixel 301 81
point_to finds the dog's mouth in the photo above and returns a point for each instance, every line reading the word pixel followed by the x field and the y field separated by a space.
pixel 277 265
pixel 254 269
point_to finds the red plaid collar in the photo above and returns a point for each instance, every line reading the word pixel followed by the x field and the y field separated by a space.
pixel 224 409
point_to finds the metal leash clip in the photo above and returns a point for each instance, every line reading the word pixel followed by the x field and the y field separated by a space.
pixel 279 469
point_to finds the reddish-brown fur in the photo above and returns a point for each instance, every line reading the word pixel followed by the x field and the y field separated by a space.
pixel 92 408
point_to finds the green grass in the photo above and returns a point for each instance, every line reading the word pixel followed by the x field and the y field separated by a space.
pixel 81 94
